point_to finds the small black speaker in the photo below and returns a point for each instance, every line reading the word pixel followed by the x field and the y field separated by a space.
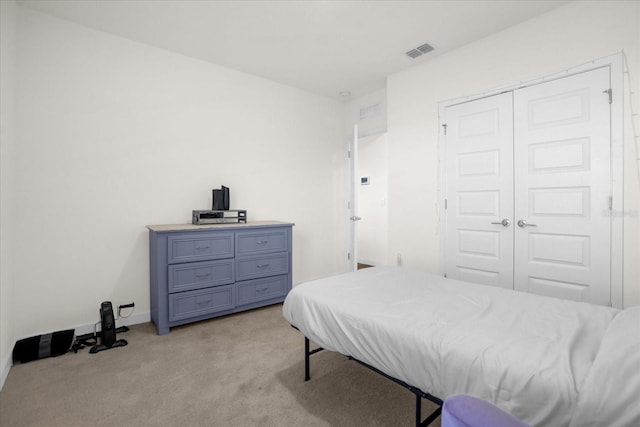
pixel 221 199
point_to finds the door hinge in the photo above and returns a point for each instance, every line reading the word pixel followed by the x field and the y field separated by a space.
pixel 445 204
pixel 349 256
pixel 349 154
pixel 610 203
pixel 610 93
pixel 445 274
pixel 444 126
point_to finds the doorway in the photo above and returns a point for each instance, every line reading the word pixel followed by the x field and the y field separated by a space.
pixel 369 201
pixel 528 188
pixel 372 188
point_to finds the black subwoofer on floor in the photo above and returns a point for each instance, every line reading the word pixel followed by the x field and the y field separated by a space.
pixel 41 346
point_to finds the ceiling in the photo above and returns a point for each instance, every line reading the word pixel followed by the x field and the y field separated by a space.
pixel 325 47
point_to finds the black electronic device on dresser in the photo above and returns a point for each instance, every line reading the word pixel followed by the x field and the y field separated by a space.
pixel 221 199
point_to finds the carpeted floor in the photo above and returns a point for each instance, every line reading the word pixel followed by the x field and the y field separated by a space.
pixel 240 370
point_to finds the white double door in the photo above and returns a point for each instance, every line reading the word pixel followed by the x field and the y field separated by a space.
pixel 528 187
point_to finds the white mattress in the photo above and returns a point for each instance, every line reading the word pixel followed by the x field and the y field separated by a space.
pixel 527 354
pixel 610 395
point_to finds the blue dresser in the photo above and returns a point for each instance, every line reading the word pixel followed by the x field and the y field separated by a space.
pixel 202 271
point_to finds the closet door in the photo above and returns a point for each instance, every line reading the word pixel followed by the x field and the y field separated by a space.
pixel 479 191
pixel 562 182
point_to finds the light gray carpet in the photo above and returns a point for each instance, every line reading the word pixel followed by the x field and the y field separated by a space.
pixel 240 370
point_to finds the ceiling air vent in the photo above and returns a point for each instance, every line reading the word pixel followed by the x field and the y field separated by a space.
pixel 420 50
pixel 370 111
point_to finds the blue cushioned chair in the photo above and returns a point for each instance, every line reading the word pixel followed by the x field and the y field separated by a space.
pixel 468 411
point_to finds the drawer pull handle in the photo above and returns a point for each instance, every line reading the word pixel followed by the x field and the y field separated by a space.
pixel 262 242
pixel 207 302
pixel 200 276
pixel 202 248
pixel 262 290
pixel 263 265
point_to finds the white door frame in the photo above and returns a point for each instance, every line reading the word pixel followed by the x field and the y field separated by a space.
pixel 615 64
pixel 353 200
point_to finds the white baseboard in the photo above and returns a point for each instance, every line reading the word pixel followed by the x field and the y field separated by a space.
pixel 134 319
pixel 6 367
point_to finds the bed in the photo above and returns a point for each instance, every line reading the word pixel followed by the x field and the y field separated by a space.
pixel 549 362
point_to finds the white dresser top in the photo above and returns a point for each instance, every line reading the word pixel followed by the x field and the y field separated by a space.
pixel 181 227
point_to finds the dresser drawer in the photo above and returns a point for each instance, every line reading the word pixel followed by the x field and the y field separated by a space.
pixel 196 275
pixel 261 241
pixel 187 247
pixel 261 289
pixel 185 305
pixel 262 266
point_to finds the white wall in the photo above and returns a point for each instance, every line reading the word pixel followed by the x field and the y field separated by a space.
pixel 561 39
pixel 114 135
pixel 7 147
pixel 371 125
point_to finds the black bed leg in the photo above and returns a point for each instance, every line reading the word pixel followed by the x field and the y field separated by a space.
pixel 306 359
pixel 416 391
pixel 307 354
pixel 432 417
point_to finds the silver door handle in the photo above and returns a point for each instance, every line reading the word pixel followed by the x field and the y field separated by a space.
pixel 355 218
pixel 505 222
pixel 522 224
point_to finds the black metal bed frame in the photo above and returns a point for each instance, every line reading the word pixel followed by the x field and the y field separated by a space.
pixel 415 390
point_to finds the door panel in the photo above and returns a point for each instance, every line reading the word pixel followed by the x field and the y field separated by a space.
pixel 562 186
pixel 479 165
pixel 539 157
pixel 558 289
